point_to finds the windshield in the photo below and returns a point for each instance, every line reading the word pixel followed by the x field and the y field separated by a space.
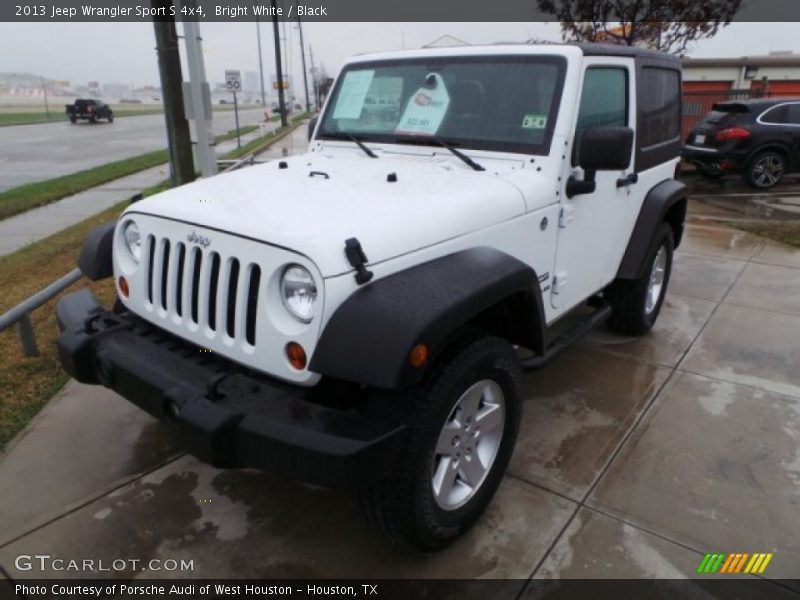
pixel 504 103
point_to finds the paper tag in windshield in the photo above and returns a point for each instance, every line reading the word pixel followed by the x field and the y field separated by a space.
pixel 425 110
pixel 534 121
pixel 352 94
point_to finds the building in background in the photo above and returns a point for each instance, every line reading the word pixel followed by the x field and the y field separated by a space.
pixel 780 70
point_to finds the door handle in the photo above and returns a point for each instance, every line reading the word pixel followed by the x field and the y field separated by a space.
pixel 627 180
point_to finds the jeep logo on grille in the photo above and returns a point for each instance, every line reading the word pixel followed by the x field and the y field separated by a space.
pixel 196 238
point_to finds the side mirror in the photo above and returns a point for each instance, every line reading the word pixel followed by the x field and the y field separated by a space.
pixel 312 125
pixel 601 149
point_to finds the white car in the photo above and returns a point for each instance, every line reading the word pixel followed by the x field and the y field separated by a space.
pixel 356 316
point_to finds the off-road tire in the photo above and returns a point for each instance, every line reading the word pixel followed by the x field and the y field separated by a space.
pixel 628 297
pixel 402 506
pixel 73 120
pixel 754 176
pixel 110 117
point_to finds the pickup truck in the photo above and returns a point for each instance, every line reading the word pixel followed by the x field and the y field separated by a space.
pixel 359 316
pixel 90 110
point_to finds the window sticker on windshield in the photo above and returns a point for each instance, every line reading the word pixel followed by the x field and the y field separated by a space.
pixel 425 109
pixel 534 121
pixel 352 94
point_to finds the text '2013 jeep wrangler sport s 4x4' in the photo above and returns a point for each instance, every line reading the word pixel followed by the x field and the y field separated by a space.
pixel 366 304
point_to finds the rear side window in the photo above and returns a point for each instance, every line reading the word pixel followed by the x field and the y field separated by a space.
pixel 777 115
pixel 785 114
pixel 660 100
pixel 794 114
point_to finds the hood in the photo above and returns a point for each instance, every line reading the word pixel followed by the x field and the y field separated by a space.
pixel 317 202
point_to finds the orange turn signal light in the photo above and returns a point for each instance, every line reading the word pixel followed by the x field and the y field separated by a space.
pixel 296 355
pixel 419 355
pixel 123 287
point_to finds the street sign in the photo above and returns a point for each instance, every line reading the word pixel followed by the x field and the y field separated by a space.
pixel 233 81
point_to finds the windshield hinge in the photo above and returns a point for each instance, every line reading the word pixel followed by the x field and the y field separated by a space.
pixel 357 258
pixel 559 281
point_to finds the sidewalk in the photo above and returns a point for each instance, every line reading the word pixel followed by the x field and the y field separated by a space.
pixel 39 223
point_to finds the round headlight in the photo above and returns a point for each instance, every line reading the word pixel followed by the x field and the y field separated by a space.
pixel 299 293
pixel 132 240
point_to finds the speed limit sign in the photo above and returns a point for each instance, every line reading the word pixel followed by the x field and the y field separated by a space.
pixel 233 81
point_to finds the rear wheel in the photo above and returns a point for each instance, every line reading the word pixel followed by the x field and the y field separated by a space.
pixel 73 120
pixel 635 303
pixel 462 425
pixel 765 170
pixel 110 117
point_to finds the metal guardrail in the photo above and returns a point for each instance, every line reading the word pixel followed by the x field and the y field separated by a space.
pixel 21 313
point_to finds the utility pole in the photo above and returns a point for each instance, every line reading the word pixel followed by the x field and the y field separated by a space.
pixel 46 107
pixel 261 65
pixel 278 67
pixel 169 70
pixel 198 89
pixel 303 57
pixel 314 78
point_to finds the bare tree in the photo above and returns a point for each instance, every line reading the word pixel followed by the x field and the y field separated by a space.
pixel 666 25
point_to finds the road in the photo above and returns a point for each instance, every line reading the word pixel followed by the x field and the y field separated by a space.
pixel 35 152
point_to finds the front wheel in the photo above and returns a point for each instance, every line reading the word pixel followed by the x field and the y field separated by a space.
pixel 635 303
pixel 110 117
pixel 765 170
pixel 462 426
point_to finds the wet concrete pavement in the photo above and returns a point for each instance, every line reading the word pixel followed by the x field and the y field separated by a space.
pixel 636 457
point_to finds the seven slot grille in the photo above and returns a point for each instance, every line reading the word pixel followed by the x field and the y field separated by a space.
pixel 202 288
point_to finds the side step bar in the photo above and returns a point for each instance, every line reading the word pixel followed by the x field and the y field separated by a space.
pixel 581 327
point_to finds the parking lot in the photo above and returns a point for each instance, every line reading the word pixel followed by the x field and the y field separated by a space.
pixel 636 457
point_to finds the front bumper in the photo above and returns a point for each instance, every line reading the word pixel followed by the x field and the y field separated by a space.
pixel 227 415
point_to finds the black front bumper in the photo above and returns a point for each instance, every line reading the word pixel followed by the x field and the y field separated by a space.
pixel 228 416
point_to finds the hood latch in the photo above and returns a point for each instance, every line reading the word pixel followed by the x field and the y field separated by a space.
pixel 357 258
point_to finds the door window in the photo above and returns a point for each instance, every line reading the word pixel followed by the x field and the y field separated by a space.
pixel 604 101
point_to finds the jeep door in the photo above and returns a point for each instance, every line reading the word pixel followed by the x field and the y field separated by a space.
pixel 594 228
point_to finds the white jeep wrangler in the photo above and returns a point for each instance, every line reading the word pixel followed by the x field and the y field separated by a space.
pixel 359 315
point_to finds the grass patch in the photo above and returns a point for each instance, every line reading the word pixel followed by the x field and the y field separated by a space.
pixel 28 383
pixel 28 196
pixel 32 118
pixel 786 232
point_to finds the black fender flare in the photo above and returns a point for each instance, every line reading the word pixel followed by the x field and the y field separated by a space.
pixel 369 338
pixel 664 202
pixel 95 260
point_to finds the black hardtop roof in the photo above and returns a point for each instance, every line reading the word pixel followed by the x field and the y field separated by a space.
pixel 600 49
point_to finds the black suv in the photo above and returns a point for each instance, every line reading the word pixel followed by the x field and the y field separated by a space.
pixel 90 110
pixel 758 138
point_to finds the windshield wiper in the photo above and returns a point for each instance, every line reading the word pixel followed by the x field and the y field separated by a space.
pixel 347 135
pixel 426 139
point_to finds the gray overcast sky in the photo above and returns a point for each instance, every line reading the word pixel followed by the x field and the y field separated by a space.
pixel 123 52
